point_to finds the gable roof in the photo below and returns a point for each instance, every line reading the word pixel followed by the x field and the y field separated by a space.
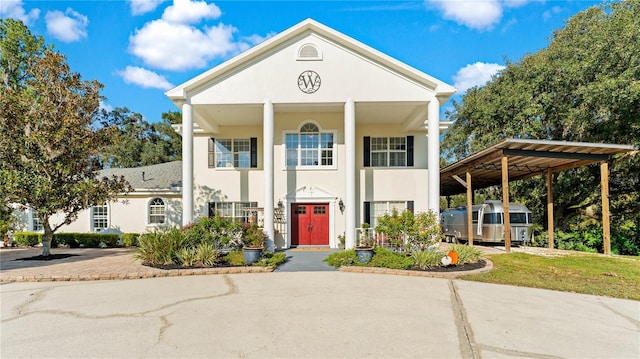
pixel 442 90
pixel 163 176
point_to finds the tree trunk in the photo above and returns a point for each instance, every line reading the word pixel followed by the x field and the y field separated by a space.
pixel 46 238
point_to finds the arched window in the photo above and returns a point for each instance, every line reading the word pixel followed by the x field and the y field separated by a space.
pixel 157 211
pixel 310 147
pixel 309 52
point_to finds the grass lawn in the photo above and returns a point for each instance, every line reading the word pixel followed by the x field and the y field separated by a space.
pixel 617 277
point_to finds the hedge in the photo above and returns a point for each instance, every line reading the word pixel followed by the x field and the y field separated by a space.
pixel 73 240
pixel 27 239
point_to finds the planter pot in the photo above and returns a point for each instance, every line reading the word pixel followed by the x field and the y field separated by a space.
pixel 251 255
pixel 364 254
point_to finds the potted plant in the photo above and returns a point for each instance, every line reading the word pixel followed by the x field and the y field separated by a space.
pixel 253 243
pixel 365 244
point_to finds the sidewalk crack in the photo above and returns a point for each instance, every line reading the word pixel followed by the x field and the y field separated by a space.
pixel 465 333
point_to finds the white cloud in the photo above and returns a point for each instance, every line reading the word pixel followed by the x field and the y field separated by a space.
pixel 515 3
pixel 478 15
pixel 190 12
pixel 474 75
pixel 15 9
pixel 170 46
pixel 145 78
pixel 174 43
pixel 140 7
pixel 69 26
pixel 105 106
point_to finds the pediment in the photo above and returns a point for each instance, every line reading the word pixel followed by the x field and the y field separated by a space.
pixel 311 192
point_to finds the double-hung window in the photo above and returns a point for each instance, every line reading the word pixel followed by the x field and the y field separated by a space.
pixel 310 147
pixel 99 217
pixel 233 153
pixel 374 210
pixel 239 211
pixel 157 211
pixel 388 151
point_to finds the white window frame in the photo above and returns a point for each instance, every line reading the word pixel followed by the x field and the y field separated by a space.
pixel 35 224
pixel 388 151
pixel 237 210
pixel 319 149
pixel 300 57
pixel 151 206
pixel 234 152
pixel 99 217
pixel 389 206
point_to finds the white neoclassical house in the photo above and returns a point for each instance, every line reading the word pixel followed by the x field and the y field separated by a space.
pixel 313 131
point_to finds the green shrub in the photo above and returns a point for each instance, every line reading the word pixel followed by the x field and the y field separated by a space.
pixel 421 229
pixel 206 255
pixel 343 258
pixel 386 258
pixel 269 259
pixel 467 254
pixel 161 247
pixel 221 232
pixel 186 257
pixel 68 239
pixel 426 259
pixel 130 239
pixel 235 258
pixel 27 239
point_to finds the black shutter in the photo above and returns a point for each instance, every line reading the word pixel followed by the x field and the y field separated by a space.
pixel 367 212
pixel 212 152
pixel 367 151
pixel 254 152
pixel 410 206
pixel 409 151
pixel 212 209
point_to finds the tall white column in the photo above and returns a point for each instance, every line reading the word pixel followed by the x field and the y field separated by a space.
pixel 350 163
pixel 187 164
pixel 267 140
pixel 433 155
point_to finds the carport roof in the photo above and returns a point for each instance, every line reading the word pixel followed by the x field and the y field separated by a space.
pixel 527 158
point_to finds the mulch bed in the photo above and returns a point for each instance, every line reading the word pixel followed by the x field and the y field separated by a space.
pixel 47 258
pixel 458 268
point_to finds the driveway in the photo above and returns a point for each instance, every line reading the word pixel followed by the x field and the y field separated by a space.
pixel 323 314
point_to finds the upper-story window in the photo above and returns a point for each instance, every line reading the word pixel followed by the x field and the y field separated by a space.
pixel 310 147
pixel 157 211
pixel 233 153
pixel 388 151
pixel 99 217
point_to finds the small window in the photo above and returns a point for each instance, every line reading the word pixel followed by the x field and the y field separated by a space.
pixel 301 210
pixel 157 211
pixel 319 210
pixel 233 153
pixel 309 52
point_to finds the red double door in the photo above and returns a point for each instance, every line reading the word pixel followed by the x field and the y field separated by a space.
pixel 310 224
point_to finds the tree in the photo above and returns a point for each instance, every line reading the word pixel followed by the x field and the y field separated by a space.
pixel 139 143
pixel 584 86
pixel 51 134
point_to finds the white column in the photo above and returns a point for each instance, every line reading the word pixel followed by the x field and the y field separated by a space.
pixel 350 163
pixel 187 164
pixel 267 140
pixel 433 155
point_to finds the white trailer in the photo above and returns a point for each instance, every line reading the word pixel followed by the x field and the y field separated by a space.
pixel 488 223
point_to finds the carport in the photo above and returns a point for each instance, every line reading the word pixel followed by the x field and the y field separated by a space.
pixel 515 159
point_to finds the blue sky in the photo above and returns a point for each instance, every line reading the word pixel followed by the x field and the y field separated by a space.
pixel 139 49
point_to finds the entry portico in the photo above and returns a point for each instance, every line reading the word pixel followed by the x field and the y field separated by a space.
pixel 344 132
